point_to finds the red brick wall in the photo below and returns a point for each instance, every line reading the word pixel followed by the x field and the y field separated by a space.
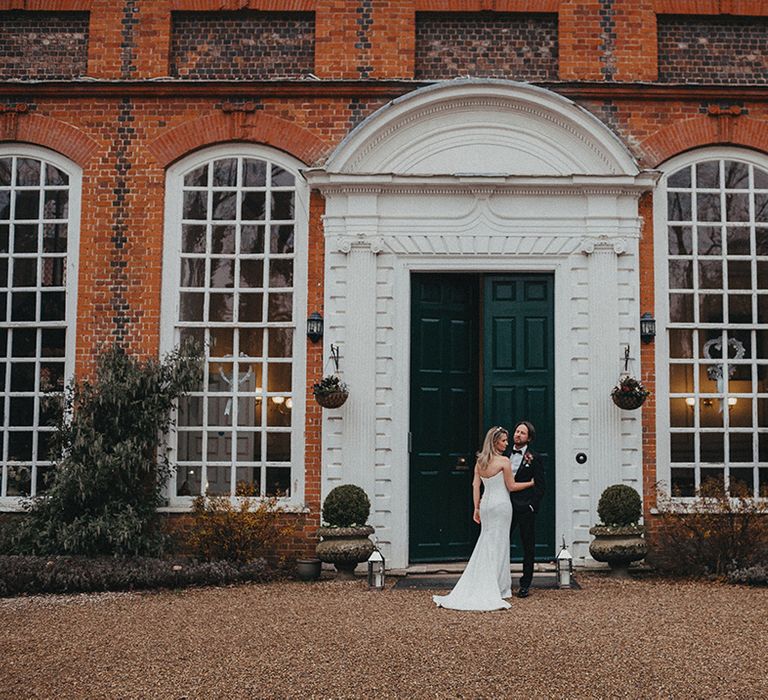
pixel 246 44
pixel 518 46
pixel 701 49
pixel 43 45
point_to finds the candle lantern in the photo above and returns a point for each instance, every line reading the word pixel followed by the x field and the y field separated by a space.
pixel 564 565
pixel 376 570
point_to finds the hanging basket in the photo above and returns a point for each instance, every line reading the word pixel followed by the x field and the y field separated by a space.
pixel 333 399
pixel 627 400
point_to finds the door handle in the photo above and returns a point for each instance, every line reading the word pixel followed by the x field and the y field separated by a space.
pixel 461 464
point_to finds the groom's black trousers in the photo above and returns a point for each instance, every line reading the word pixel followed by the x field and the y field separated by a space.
pixel 525 519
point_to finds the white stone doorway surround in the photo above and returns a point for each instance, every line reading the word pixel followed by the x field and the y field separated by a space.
pixel 487 176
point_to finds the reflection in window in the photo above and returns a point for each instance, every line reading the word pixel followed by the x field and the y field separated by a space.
pixel 236 277
pixel 717 274
pixel 34 225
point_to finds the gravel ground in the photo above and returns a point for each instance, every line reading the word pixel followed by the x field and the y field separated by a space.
pixel 642 638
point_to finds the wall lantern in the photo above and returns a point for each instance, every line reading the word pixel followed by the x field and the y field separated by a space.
pixel 376 570
pixel 315 327
pixel 647 327
pixel 564 565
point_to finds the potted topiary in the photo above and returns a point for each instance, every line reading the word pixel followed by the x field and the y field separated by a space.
pixel 345 536
pixel 330 391
pixel 618 537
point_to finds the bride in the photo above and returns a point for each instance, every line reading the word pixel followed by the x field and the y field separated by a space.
pixel 486 581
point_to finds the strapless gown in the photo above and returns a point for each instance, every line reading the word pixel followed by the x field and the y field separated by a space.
pixel 486 581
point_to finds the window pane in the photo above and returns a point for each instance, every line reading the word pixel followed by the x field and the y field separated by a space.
pixel 737 207
pixel 681 414
pixel 681 447
pixel 195 205
pixel 741 482
pixel 680 343
pixel 225 173
pixel 711 308
pixel 197 177
pixel 679 207
pixel 712 447
pixel 28 172
pixel 681 178
pixel 681 308
pixel 254 173
pixel 278 481
pixel 739 274
pixel 707 207
pixel 736 175
pixel 710 274
pixel 708 174
pixel 192 239
pixel 740 449
pixel 680 240
pixel 683 482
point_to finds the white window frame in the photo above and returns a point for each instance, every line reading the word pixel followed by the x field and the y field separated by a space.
pixel 170 296
pixel 663 461
pixel 75 173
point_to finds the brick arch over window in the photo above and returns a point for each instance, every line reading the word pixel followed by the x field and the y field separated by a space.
pixel 704 131
pixel 254 127
pixel 56 135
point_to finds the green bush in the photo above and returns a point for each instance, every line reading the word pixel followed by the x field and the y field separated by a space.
pixel 619 505
pixel 239 531
pixel 346 505
pixel 713 535
pixel 21 575
pixel 108 482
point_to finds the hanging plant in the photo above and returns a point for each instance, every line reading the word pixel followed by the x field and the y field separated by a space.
pixel 330 391
pixel 629 393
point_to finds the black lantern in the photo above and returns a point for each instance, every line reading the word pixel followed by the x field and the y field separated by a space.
pixel 647 327
pixel 315 327
pixel 564 564
pixel 376 570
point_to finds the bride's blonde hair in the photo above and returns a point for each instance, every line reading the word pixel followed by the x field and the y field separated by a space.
pixel 488 450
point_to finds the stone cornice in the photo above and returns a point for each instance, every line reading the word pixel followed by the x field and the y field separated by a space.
pixel 480 185
pixel 324 89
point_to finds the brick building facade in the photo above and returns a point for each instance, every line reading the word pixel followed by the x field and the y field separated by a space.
pixel 224 169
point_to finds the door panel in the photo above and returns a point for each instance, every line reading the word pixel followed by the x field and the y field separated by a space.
pixel 444 409
pixel 518 375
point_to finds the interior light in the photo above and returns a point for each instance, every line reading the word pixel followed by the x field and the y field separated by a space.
pixel 278 399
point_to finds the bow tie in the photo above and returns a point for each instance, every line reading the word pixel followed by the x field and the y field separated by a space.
pixel 516 452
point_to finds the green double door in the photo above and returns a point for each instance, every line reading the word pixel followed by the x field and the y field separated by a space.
pixel 482 354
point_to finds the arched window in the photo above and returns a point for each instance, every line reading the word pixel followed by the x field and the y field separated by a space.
pixel 712 299
pixel 235 281
pixel 39 223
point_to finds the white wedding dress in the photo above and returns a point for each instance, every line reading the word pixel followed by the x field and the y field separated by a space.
pixel 486 581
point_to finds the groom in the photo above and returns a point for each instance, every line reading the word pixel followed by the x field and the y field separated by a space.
pixel 526 465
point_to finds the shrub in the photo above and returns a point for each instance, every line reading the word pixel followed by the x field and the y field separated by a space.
pixel 619 505
pixel 713 535
pixel 108 481
pixel 346 505
pixel 234 531
pixel 64 574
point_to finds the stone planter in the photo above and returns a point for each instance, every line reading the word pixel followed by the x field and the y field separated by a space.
pixel 345 547
pixel 618 546
pixel 308 569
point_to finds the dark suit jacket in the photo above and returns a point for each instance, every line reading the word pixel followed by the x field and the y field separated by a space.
pixel 529 499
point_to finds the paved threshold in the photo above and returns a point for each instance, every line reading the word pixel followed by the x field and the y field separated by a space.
pixel 448 581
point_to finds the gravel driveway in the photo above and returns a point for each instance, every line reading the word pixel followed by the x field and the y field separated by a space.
pixel 629 639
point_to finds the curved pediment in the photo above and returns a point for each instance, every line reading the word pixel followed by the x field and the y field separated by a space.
pixel 482 127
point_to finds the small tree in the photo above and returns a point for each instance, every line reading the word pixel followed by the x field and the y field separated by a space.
pixel 109 477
